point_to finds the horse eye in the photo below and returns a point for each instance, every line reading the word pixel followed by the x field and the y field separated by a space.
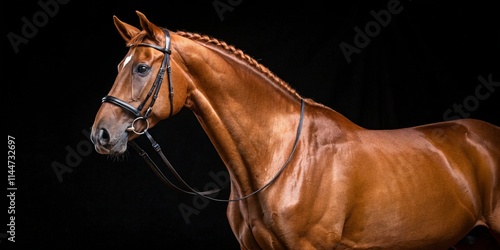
pixel 142 69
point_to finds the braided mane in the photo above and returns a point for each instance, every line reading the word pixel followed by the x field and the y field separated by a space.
pixel 240 54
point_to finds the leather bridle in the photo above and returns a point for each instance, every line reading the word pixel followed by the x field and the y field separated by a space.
pixel 153 94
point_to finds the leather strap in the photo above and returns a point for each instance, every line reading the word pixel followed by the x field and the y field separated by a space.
pixel 205 194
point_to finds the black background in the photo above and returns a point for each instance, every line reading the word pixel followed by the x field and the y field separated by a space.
pixel 427 59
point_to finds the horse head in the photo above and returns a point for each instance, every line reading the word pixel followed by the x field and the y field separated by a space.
pixel 127 111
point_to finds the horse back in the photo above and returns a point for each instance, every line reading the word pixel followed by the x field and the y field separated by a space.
pixel 477 142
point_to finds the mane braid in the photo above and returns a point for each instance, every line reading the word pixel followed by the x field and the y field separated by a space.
pixel 239 53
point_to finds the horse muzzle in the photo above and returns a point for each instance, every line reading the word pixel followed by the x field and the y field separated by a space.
pixel 106 142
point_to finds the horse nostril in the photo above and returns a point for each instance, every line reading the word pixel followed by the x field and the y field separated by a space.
pixel 103 136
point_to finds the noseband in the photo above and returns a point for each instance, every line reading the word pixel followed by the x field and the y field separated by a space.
pixel 153 94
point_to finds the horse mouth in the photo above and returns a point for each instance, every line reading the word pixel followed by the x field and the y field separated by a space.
pixel 115 150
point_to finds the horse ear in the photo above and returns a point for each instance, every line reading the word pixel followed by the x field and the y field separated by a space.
pixel 153 31
pixel 127 31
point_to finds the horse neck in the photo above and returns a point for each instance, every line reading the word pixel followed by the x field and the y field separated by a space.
pixel 250 118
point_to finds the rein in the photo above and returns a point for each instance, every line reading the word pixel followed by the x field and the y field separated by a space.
pixel 153 94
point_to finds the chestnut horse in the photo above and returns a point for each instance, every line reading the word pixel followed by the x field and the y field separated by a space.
pixel 302 175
